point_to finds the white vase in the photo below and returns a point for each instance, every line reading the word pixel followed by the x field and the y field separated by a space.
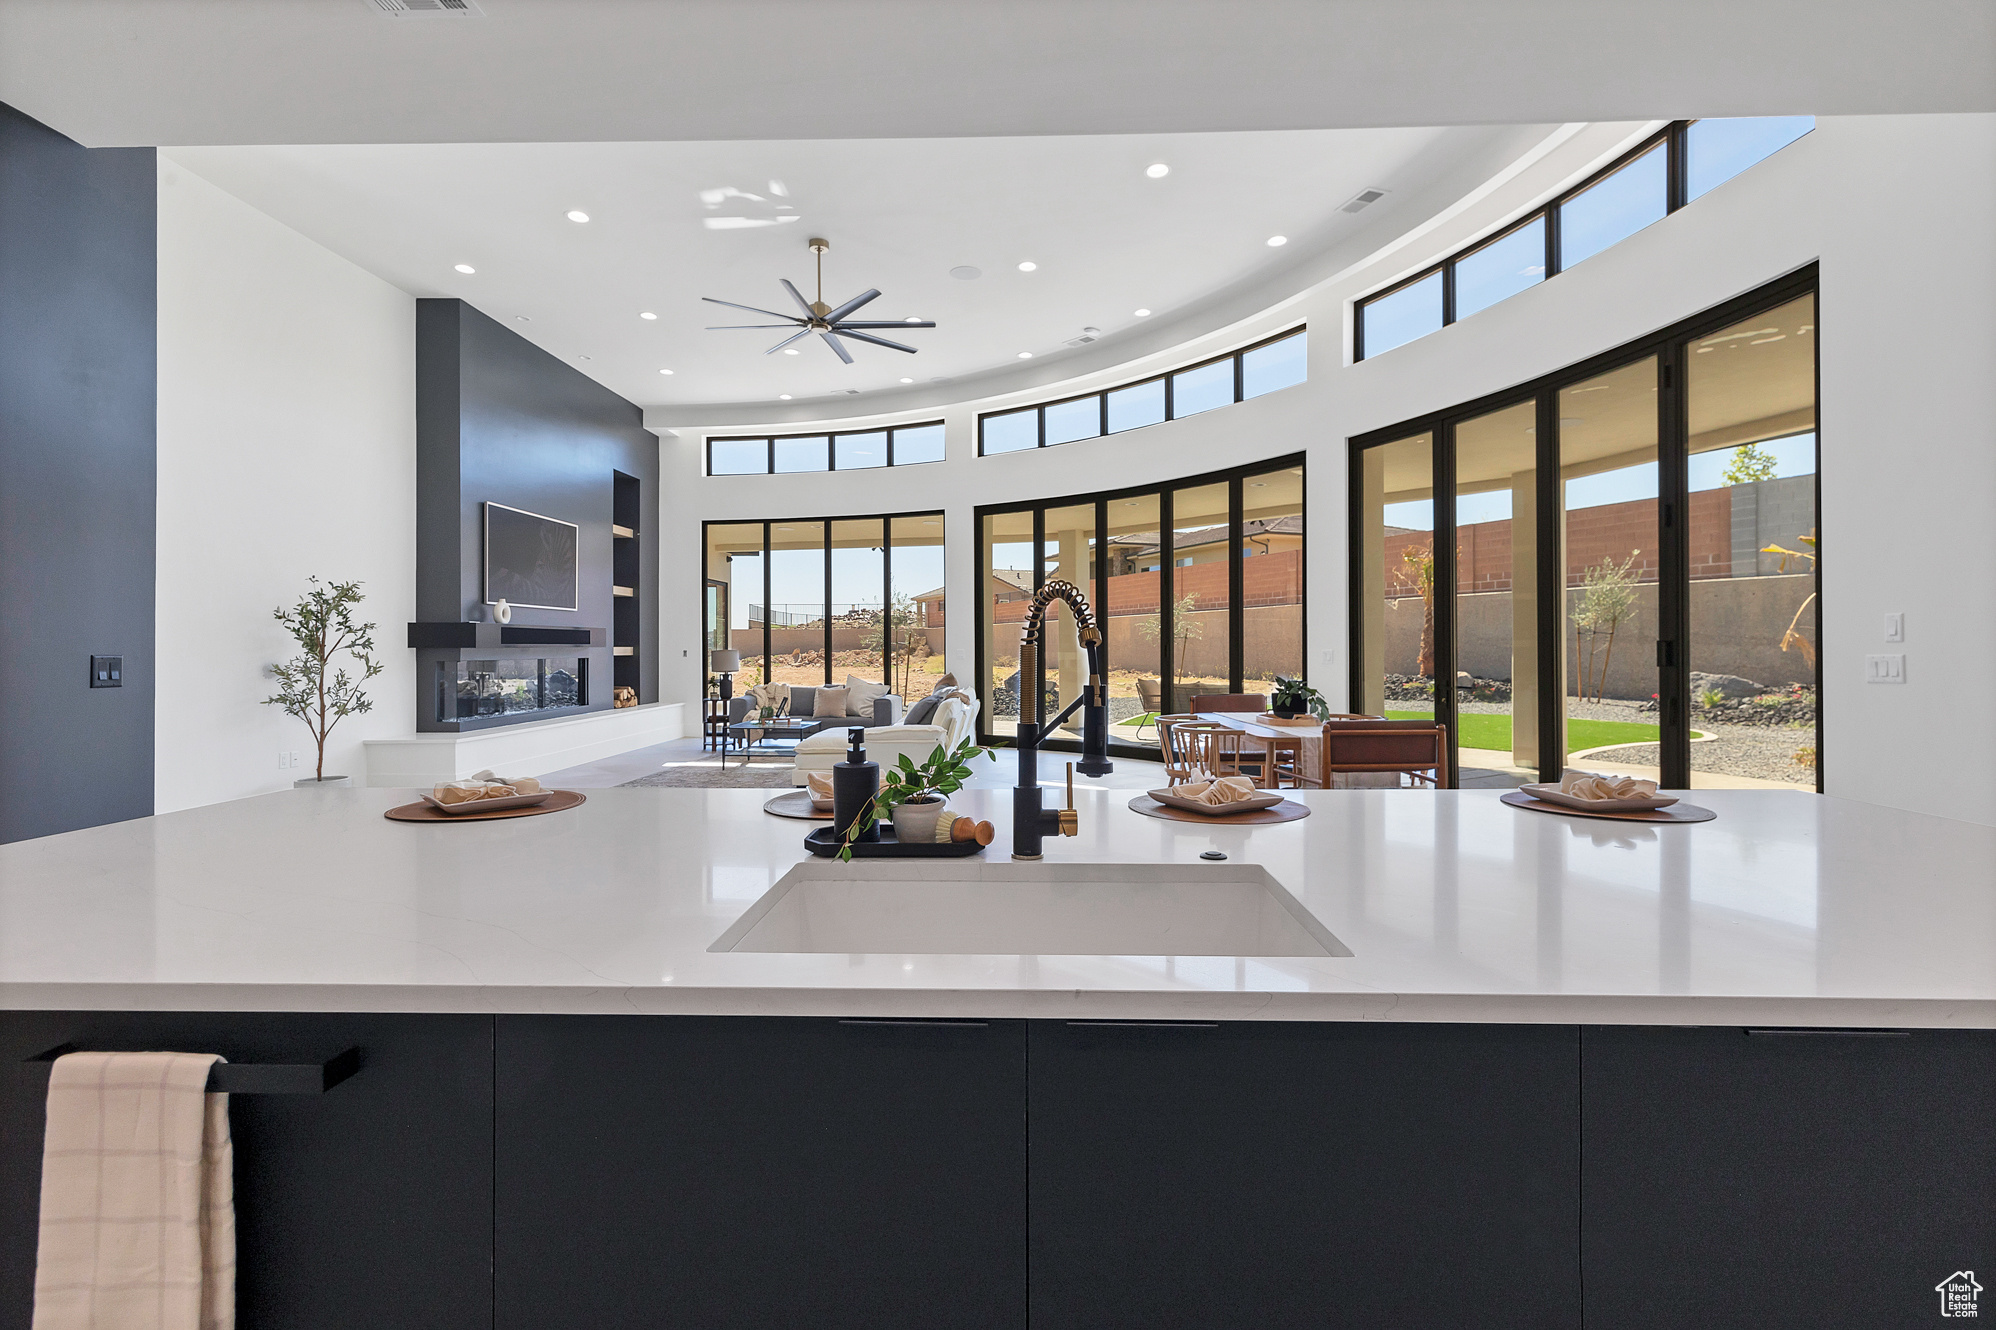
pixel 915 824
pixel 329 783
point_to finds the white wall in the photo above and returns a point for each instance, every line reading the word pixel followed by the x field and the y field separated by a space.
pixel 287 438
pixel 1898 210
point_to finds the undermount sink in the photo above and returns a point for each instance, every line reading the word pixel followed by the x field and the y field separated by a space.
pixel 970 907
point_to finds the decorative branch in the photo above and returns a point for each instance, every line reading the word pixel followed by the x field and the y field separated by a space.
pixel 322 623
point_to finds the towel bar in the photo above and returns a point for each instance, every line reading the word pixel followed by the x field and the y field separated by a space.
pixel 252 1077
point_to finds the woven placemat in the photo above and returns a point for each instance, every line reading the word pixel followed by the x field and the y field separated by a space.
pixel 1286 811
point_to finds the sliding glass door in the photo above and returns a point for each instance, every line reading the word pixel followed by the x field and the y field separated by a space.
pixel 1619 573
pixel 1198 588
pixel 809 601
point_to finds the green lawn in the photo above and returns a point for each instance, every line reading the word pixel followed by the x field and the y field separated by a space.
pixel 1486 730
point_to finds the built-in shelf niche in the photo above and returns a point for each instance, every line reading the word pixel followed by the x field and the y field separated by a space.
pixel 626 508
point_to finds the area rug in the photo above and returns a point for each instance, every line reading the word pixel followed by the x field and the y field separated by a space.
pixel 708 775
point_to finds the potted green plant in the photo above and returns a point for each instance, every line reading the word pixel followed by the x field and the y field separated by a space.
pixel 913 794
pixel 1293 697
pixel 322 622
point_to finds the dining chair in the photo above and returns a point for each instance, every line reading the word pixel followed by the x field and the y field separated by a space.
pixel 1230 702
pixel 1150 698
pixel 1172 749
pixel 1417 749
pixel 1216 751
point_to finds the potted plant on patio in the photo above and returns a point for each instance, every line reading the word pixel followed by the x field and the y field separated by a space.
pixel 912 794
pixel 322 622
pixel 1293 697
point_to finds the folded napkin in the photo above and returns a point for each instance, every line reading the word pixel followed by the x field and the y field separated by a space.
pixel 1225 790
pixel 484 785
pixel 819 783
pixel 1588 785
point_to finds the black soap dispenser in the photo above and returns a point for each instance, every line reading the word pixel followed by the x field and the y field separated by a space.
pixel 855 782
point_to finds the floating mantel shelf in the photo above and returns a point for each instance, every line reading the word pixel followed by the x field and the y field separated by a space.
pixel 623 591
pixel 511 638
pixel 626 532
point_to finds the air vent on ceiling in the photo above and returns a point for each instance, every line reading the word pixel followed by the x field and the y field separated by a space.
pixel 1087 335
pixel 409 8
pixel 850 392
pixel 1364 199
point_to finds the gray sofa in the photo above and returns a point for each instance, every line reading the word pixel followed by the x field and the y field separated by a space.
pixel 803 701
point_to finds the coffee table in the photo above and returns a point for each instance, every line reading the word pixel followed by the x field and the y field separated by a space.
pixel 774 738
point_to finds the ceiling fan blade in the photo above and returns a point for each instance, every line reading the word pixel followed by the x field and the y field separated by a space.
pixel 833 342
pixel 851 305
pixel 802 303
pixel 730 327
pixel 752 309
pixel 889 323
pixel 877 341
pixel 787 341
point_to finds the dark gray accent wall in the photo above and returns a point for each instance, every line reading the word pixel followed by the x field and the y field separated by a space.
pixel 498 419
pixel 77 478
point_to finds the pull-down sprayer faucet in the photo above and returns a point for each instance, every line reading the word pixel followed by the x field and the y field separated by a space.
pixel 1031 822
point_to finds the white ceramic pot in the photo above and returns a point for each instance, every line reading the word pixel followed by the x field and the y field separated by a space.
pixel 915 824
pixel 330 782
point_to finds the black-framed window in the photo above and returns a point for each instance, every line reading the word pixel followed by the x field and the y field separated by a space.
pixel 1653 179
pixel 811 600
pixel 846 450
pixel 1276 362
pixel 1198 585
pixel 1612 567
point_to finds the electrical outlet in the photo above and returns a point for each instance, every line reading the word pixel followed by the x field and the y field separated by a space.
pixel 1895 627
pixel 1885 669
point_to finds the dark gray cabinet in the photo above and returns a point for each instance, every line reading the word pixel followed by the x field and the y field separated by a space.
pixel 1778 1179
pixel 726 1171
pixel 369 1205
pixel 1269 1174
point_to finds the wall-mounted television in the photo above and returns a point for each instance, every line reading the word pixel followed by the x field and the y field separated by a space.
pixel 530 560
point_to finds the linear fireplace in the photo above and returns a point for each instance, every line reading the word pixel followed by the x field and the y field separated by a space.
pixel 511 686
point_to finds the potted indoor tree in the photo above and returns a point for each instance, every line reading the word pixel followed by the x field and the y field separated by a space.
pixel 322 622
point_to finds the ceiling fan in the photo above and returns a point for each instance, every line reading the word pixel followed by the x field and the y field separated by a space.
pixel 820 318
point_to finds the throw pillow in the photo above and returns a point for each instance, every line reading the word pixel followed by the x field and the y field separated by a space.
pixel 830 704
pixel 860 695
pixel 946 681
pixel 920 713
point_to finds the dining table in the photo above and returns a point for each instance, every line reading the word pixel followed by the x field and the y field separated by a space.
pixel 1310 762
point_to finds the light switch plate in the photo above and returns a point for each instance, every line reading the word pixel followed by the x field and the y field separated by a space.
pixel 107 671
pixel 1885 669
pixel 1895 627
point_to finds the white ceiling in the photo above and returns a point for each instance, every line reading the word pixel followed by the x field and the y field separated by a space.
pixel 153 72
pixel 900 214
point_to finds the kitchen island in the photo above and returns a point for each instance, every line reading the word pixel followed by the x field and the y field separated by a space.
pixel 1735 1073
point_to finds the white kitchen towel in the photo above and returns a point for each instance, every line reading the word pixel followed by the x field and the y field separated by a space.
pixel 138 1227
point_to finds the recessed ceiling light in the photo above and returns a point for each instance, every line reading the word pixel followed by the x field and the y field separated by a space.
pixel 1025 355
pixel 907 380
pixel 665 371
pixel 521 318
pixel 1157 170
pixel 789 350
pixel 1277 242
pixel 966 273
pixel 585 357
pixel 911 319
pixel 647 315
pixel 1028 266
pixel 577 215
pixel 783 397
pixel 466 268
pixel 1143 313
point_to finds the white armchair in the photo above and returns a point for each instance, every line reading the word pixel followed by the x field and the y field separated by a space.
pixel 954 721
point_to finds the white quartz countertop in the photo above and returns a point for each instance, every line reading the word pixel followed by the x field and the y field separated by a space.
pixel 1788 910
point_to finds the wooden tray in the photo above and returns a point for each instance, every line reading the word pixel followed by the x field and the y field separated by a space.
pixel 1286 811
pixel 1306 721
pixel 797 803
pixel 558 801
pixel 1675 813
pixel 825 845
